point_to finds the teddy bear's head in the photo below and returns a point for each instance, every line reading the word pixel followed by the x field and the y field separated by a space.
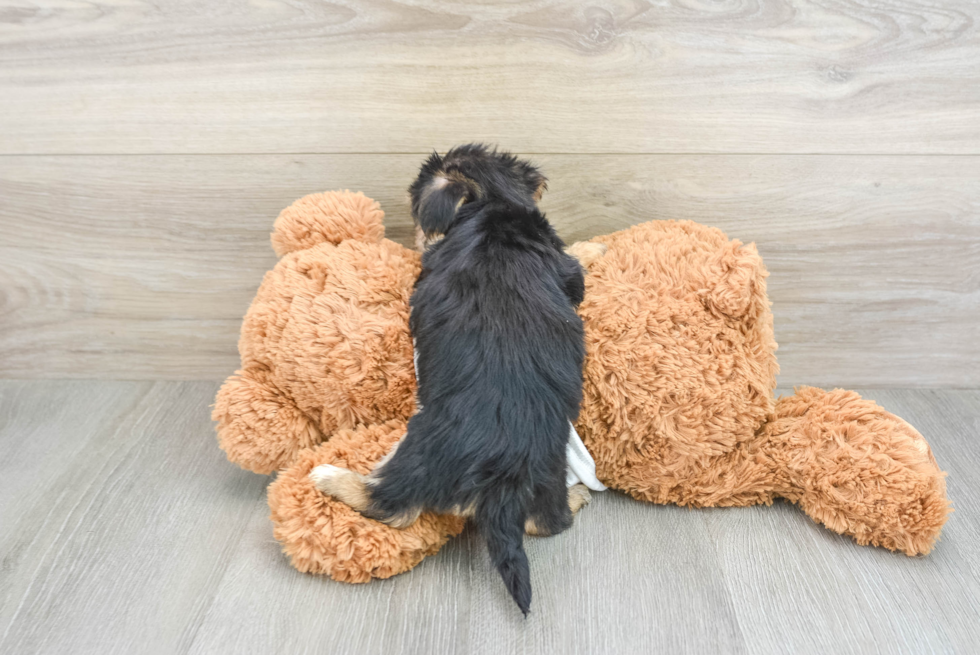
pixel 325 344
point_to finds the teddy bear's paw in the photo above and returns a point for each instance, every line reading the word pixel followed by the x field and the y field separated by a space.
pixel 258 427
pixel 587 252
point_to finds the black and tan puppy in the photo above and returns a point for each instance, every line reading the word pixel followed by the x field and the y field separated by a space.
pixel 500 351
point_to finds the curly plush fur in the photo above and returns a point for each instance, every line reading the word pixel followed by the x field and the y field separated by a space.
pixel 678 407
pixel 358 549
pixel 325 345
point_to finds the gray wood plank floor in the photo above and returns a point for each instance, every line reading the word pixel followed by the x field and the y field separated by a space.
pixel 126 531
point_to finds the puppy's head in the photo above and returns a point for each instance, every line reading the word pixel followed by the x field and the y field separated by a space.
pixel 468 174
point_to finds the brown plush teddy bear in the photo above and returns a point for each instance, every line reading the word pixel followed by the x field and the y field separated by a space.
pixel 677 408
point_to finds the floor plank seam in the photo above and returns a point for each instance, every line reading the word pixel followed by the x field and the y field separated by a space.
pixel 216 588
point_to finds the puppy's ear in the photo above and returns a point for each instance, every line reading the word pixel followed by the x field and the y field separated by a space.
pixel 439 201
pixel 542 186
pixel 538 182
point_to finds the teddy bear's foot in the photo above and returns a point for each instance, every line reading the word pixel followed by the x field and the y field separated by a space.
pixel 258 427
pixel 325 536
pixel 858 469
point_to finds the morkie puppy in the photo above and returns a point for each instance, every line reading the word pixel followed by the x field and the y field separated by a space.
pixel 499 351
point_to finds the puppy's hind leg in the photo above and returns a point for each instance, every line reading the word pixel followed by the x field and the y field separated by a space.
pixel 355 490
pixel 553 511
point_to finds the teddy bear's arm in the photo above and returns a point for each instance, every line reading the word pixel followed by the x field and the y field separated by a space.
pixel 259 428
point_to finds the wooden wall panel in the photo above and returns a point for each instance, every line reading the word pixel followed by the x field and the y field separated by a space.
pixel 142 266
pixel 734 76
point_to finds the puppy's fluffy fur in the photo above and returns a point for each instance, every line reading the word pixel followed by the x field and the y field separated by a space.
pixel 500 352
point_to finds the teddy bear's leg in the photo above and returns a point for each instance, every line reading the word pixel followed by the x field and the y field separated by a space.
pixel 259 428
pixel 323 535
pixel 858 469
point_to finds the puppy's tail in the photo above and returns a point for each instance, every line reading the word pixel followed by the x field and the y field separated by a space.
pixel 500 516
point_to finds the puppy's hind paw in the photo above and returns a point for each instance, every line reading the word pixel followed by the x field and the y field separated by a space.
pixel 344 485
pixel 578 497
pixel 326 476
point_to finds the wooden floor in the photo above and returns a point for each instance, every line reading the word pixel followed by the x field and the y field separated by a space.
pixel 125 531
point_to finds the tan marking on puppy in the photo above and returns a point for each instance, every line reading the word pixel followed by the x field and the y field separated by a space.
pixel 422 242
pixel 351 489
pixel 419 239
pixel 540 190
pixel 531 528
pixel 587 252
pixel 578 497
pixel 473 189
pixel 403 520
pixel 464 512
pixel 346 486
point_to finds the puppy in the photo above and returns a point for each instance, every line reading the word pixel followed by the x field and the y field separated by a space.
pixel 499 363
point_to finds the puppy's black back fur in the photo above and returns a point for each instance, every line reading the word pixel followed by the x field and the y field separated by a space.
pixel 500 352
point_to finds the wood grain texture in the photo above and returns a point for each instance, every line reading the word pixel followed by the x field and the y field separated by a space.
pixel 772 76
pixel 119 515
pixel 141 267
pixel 266 606
pixel 596 590
pixel 128 532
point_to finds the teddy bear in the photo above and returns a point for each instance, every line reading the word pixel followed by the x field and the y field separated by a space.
pixel 677 405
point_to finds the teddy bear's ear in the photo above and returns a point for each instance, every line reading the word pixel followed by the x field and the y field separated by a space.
pixel 329 217
pixel 738 274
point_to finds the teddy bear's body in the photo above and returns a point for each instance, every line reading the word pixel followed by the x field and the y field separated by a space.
pixel 678 406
